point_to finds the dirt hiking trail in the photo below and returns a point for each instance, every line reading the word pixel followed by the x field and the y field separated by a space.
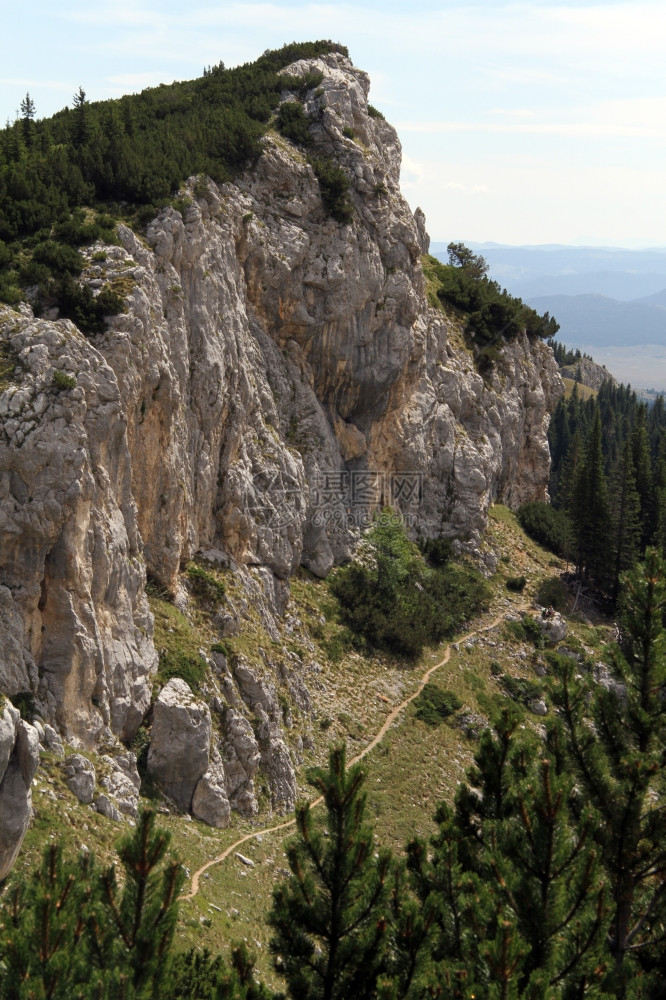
pixel 388 722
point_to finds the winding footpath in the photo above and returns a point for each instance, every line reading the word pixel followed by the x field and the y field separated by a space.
pixel 388 722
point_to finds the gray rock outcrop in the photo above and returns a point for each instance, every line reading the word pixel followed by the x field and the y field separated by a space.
pixel 553 626
pixel 179 742
pixel 122 782
pixel 81 777
pixel 588 372
pixel 19 757
pixel 210 803
pixel 276 377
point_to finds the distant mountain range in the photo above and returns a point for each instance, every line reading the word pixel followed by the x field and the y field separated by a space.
pixel 597 319
pixel 561 270
pixel 608 301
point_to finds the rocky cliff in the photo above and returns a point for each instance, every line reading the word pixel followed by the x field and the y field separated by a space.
pixel 276 377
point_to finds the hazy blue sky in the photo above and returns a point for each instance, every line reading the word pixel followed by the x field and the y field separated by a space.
pixel 531 122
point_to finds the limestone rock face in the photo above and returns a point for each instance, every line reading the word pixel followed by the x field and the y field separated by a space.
pixel 242 758
pixel 179 742
pixel 122 783
pixel 19 757
pixel 277 377
pixel 75 629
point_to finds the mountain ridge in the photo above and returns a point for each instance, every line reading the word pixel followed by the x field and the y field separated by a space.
pixel 275 376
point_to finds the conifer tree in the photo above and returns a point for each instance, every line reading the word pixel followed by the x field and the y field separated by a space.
pixel 43 930
pixel 71 933
pixel 643 467
pixel 591 512
pixel 522 903
pixel 626 508
pixel 331 919
pixel 614 742
pixel 81 129
pixel 27 118
pixel 134 927
pixel 569 471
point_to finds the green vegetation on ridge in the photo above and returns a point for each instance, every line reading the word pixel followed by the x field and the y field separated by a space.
pixel 124 158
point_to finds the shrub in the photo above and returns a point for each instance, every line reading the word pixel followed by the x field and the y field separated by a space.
pixel 547 526
pixel 62 380
pixel 334 187
pixel 435 704
pixel 436 550
pixel 526 630
pixel 516 583
pixel 375 112
pixel 204 584
pixel 397 602
pixel 521 688
pixel 553 594
pixel 77 302
pixel 191 669
pixel 293 123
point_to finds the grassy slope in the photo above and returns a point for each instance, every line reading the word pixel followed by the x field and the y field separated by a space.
pixel 584 391
pixel 414 767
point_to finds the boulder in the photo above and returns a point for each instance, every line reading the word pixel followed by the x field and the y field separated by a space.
pixel 210 802
pixel 553 626
pixel 123 783
pixel 19 757
pixel 81 777
pixel 105 807
pixel 179 742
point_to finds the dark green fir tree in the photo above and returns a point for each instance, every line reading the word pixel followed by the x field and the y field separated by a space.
pixel 612 740
pixel 626 510
pixel 331 919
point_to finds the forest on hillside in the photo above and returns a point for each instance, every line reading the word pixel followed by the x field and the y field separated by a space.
pixel 607 484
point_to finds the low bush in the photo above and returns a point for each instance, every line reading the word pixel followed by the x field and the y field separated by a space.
pixel 62 380
pixel 334 187
pixel 516 583
pixel 521 689
pixel 395 601
pixel 191 669
pixel 553 594
pixel 293 123
pixel 526 630
pixel 435 704
pixel 204 584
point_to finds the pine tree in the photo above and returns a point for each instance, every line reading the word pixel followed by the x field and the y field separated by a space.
pixel 522 902
pixel 81 128
pixel 591 511
pixel 43 930
pixel 626 508
pixel 72 934
pixel 331 919
pixel 136 924
pixel 614 742
pixel 643 466
pixel 567 480
pixel 27 118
